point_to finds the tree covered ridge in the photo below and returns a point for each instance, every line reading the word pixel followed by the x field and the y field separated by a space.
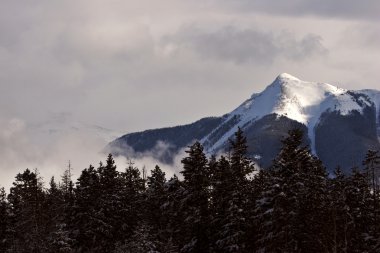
pixel 221 205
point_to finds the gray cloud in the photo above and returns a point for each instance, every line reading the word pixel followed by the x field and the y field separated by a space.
pixel 348 9
pixel 363 35
pixel 245 46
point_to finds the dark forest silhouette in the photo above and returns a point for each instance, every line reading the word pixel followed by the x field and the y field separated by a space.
pixel 221 205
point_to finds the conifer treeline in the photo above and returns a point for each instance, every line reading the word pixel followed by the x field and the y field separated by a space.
pixel 221 205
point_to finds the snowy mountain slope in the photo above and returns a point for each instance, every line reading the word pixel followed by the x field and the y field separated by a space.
pixel 341 125
pixel 298 100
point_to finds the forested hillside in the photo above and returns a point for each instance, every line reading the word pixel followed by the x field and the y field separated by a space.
pixel 221 205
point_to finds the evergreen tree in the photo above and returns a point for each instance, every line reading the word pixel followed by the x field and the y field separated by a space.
pixel 221 195
pixel 141 241
pixel 60 240
pixel 340 219
pixel 241 165
pixel 266 189
pixel 314 206
pixel 173 214
pixel 156 182
pixel 131 212
pixel 109 206
pixel 360 203
pixel 195 202
pixel 155 198
pixel 298 201
pixel 66 187
pixel 55 209
pixel 4 221
pixel 372 168
pixel 100 208
pixel 28 222
pixel 232 177
pixel 84 216
pixel 67 184
pixel 288 165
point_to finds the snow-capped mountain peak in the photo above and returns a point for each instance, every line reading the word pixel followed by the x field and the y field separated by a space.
pixel 295 99
pixel 285 77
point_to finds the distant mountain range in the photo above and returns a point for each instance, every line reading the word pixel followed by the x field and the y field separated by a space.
pixel 58 128
pixel 340 125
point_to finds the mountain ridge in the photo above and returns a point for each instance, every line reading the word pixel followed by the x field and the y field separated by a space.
pixel 289 102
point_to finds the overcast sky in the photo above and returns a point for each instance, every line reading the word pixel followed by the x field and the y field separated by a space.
pixel 134 65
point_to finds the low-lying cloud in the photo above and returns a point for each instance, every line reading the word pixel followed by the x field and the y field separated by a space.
pixel 149 159
pixel 50 146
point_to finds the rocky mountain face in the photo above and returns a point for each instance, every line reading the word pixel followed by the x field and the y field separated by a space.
pixel 340 125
